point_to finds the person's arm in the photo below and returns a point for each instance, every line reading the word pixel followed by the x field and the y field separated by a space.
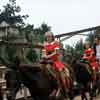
pixel 56 50
pixel 43 53
pixel 92 53
pixel 84 56
pixel 50 55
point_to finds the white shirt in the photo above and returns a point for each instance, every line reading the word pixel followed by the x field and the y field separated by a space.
pixel 98 51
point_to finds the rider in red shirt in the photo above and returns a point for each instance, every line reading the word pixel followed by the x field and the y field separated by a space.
pixel 90 57
pixel 53 47
pixel 51 52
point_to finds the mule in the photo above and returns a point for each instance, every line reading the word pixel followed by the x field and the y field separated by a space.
pixel 83 76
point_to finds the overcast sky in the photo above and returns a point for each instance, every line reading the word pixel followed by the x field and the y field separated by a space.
pixel 62 15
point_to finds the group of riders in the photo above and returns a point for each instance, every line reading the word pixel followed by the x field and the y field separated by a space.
pixel 54 66
pixel 51 52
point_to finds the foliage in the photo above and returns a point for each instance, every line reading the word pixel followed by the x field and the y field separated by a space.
pixel 32 55
pixel 97 32
pixel 10 13
pixel 79 48
pixel 90 37
pixel 68 53
pixel 73 52
pixel 27 33
pixel 39 32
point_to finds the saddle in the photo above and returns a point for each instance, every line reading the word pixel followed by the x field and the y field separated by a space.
pixel 46 61
pixel 49 70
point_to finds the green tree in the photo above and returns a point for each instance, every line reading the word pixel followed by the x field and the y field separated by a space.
pixel 79 48
pixel 73 52
pixel 10 14
pixel 33 35
pixel 97 32
pixel 39 32
pixel 38 36
pixel 90 37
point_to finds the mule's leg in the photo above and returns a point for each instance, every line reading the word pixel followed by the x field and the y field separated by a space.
pixel 92 90
pixel 83 96
pixel 83 93
pixel 94 84
pixel 71 94
pixel 63 84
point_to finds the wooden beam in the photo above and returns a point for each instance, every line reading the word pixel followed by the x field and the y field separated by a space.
pixel 20 44
pixel 65 38
pixel 77 32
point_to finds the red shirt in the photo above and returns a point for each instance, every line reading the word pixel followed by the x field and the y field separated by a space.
pixel 89 55
pixel 51 47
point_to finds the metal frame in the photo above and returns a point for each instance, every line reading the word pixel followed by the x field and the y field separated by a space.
pixel 73 33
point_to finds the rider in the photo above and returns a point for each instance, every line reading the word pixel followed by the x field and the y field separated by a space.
pixel 51 52
pixel 91 58
pixel 98 50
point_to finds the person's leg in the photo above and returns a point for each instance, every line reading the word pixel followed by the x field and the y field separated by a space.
pixel 63 81
pixel 68 77
pixel 94 75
